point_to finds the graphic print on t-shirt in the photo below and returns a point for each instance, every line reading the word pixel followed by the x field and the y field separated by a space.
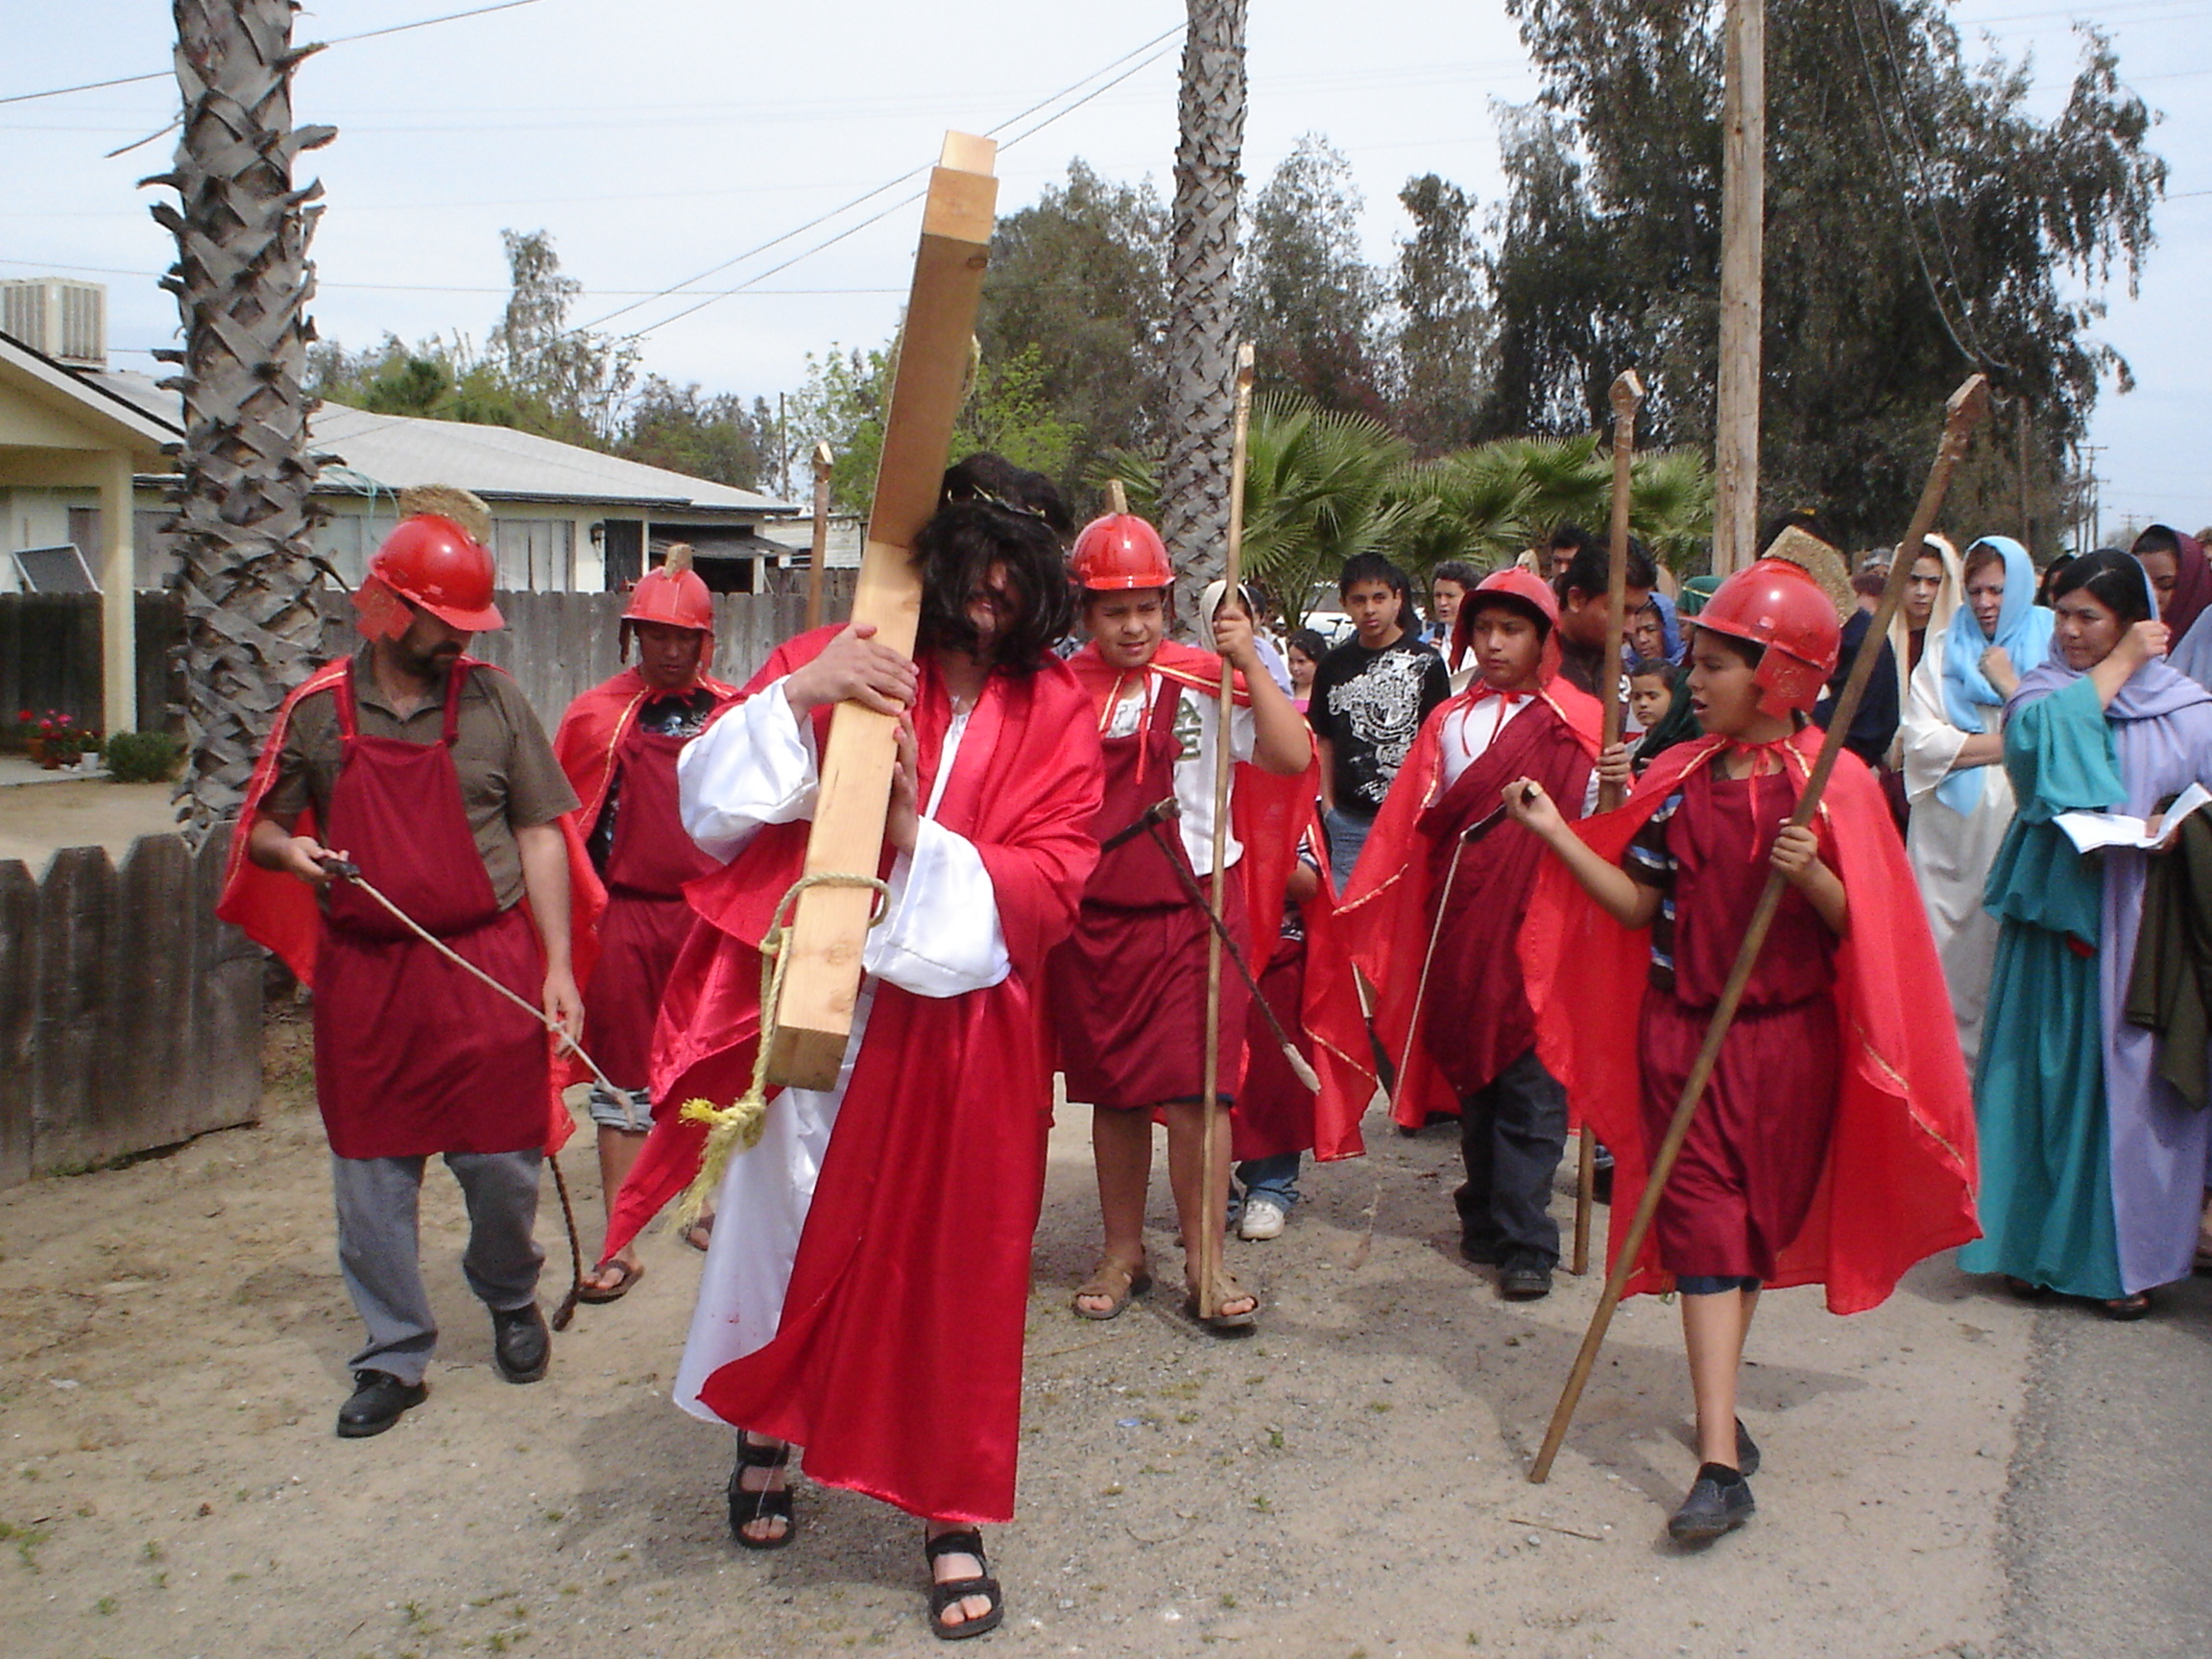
pixel 1381 708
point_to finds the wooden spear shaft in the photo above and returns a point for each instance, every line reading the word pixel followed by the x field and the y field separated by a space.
pixel 1209 1213
pixel 1628 393
pixel 820 553
pixel 1961 414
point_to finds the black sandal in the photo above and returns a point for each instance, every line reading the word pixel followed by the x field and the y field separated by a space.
pixel 748 1508
pixel 943 1595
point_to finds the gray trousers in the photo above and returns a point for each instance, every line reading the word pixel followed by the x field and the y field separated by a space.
pixel 379 1247
pixel 1511 1134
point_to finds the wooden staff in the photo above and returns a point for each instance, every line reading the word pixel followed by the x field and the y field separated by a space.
pixel 821 554
pixel 1209 1213
pixel 1960 415
pixel 814 1015
pixel 1627 394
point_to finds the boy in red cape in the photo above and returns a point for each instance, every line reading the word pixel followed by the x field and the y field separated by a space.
pixel 867 1277
pixel 430 771
pixel 1128 986
pixel 1432 914
pixel 1835 1142
pixel 618 744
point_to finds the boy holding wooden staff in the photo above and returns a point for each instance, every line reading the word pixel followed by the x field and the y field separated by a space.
pixel 1834 1142
pixel 1128 987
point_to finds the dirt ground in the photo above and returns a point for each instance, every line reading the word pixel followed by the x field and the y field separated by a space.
pixel 1348 1483
pixel 38 817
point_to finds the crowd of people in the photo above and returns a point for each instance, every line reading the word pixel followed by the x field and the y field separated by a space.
pixel 1448 876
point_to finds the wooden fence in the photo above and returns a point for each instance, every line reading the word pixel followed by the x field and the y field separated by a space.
pixel 130 1018
pixel 49 657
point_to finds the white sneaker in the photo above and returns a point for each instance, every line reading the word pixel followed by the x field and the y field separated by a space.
pixel 1264 1219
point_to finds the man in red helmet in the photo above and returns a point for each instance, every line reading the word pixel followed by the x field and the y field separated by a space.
pixel 1835 1142
pixel 428 772
pixel 618 744
pixel 1432 913
pixel 1128 986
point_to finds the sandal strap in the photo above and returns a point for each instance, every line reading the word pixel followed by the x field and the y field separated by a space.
pixel 968 1541
pixel 943 1595
pixel 750 1455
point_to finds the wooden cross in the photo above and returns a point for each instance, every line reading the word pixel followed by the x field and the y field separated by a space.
pixel 821 979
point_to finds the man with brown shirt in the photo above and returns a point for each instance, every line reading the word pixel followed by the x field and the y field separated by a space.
pixel 430 773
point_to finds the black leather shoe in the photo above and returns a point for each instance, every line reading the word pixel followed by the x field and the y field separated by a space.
pixel 521 1343
pixel 378 1401
pixel 1714 1506
pixel 1525 1279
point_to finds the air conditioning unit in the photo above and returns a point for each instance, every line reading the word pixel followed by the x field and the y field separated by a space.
pixel 67 320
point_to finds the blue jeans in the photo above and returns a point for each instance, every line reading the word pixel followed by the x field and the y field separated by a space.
pixel 1347 834
pixel 1274 1177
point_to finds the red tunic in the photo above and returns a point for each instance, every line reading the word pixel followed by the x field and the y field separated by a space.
pixel 412 1056
pixel 1751 1162
pixel 907 1297
pixel 1127 988
pixel 652 857
pixel 1475 1015
pixel 1897 1181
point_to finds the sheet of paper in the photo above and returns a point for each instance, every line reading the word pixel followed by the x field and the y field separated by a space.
pixel 2090 831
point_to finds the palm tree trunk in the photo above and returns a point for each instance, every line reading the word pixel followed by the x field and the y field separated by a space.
pixel 1202 297
pixel 242 281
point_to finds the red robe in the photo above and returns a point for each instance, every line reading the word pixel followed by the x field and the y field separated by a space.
pixel 281 913
pixel 640 933
pixel 592 730
pixel 1898 1184
pixel 1275 1113
pixel 1387 915
pixel 907 1297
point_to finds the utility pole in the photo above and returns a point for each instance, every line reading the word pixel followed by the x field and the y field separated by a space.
pixel 1742 240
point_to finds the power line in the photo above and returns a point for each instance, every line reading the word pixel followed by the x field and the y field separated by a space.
pixel 675 288
pixel 335 40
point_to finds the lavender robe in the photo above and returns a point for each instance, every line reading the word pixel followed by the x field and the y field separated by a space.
pixel 2161 726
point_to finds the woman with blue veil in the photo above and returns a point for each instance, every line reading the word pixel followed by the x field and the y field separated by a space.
pixel 1954 751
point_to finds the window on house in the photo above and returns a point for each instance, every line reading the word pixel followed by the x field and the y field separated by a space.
pixel 535 554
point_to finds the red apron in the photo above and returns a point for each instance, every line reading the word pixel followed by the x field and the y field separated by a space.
pixel 1128 986
pixel 647 917
pixel 414 1057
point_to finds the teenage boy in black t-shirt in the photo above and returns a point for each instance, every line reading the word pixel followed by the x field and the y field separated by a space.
pixel 1370 695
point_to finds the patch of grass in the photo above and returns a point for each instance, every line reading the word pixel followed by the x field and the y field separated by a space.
pixel 1274 1438
pixel 1261 1506
pixel 1228 1601
pixel 153 1549
pixel 105 1605
pixel 1186 1416
pixel 1377 1405
pixel 26 1540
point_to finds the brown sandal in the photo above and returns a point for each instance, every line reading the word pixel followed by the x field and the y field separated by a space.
pixel 1226 1289
pixel 1117 1283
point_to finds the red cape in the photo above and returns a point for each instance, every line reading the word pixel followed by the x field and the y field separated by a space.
pixel 1387 915
pixel 908 1294
pixel 280 913
pixel 1899 1181
pixel 593 728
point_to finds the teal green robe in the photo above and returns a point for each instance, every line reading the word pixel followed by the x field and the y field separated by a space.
pixel 2039 1106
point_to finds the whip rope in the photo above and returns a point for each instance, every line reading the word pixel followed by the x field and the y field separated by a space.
pixel 736 1127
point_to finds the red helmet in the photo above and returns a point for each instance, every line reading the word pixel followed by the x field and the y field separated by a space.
pixel 1121 552
pixel 674 599
pixel 1774 604
pixel 672 596
pixel 432 561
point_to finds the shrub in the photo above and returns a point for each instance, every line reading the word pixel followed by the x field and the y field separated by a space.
pixel 143 757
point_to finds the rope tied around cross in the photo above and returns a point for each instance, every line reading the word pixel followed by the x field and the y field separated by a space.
pixel 736 1127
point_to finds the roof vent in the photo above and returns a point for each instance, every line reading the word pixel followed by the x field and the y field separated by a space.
pixel 67 320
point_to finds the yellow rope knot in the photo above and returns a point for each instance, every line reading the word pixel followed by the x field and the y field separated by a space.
pixel 736 1127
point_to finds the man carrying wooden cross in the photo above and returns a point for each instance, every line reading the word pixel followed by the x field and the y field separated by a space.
pixel 867 1278
pixel 429 773
pixel 618 744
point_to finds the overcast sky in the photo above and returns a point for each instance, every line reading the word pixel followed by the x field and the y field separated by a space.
pixel 657 138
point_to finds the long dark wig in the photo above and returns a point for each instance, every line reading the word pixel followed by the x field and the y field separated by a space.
pixel 957 549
